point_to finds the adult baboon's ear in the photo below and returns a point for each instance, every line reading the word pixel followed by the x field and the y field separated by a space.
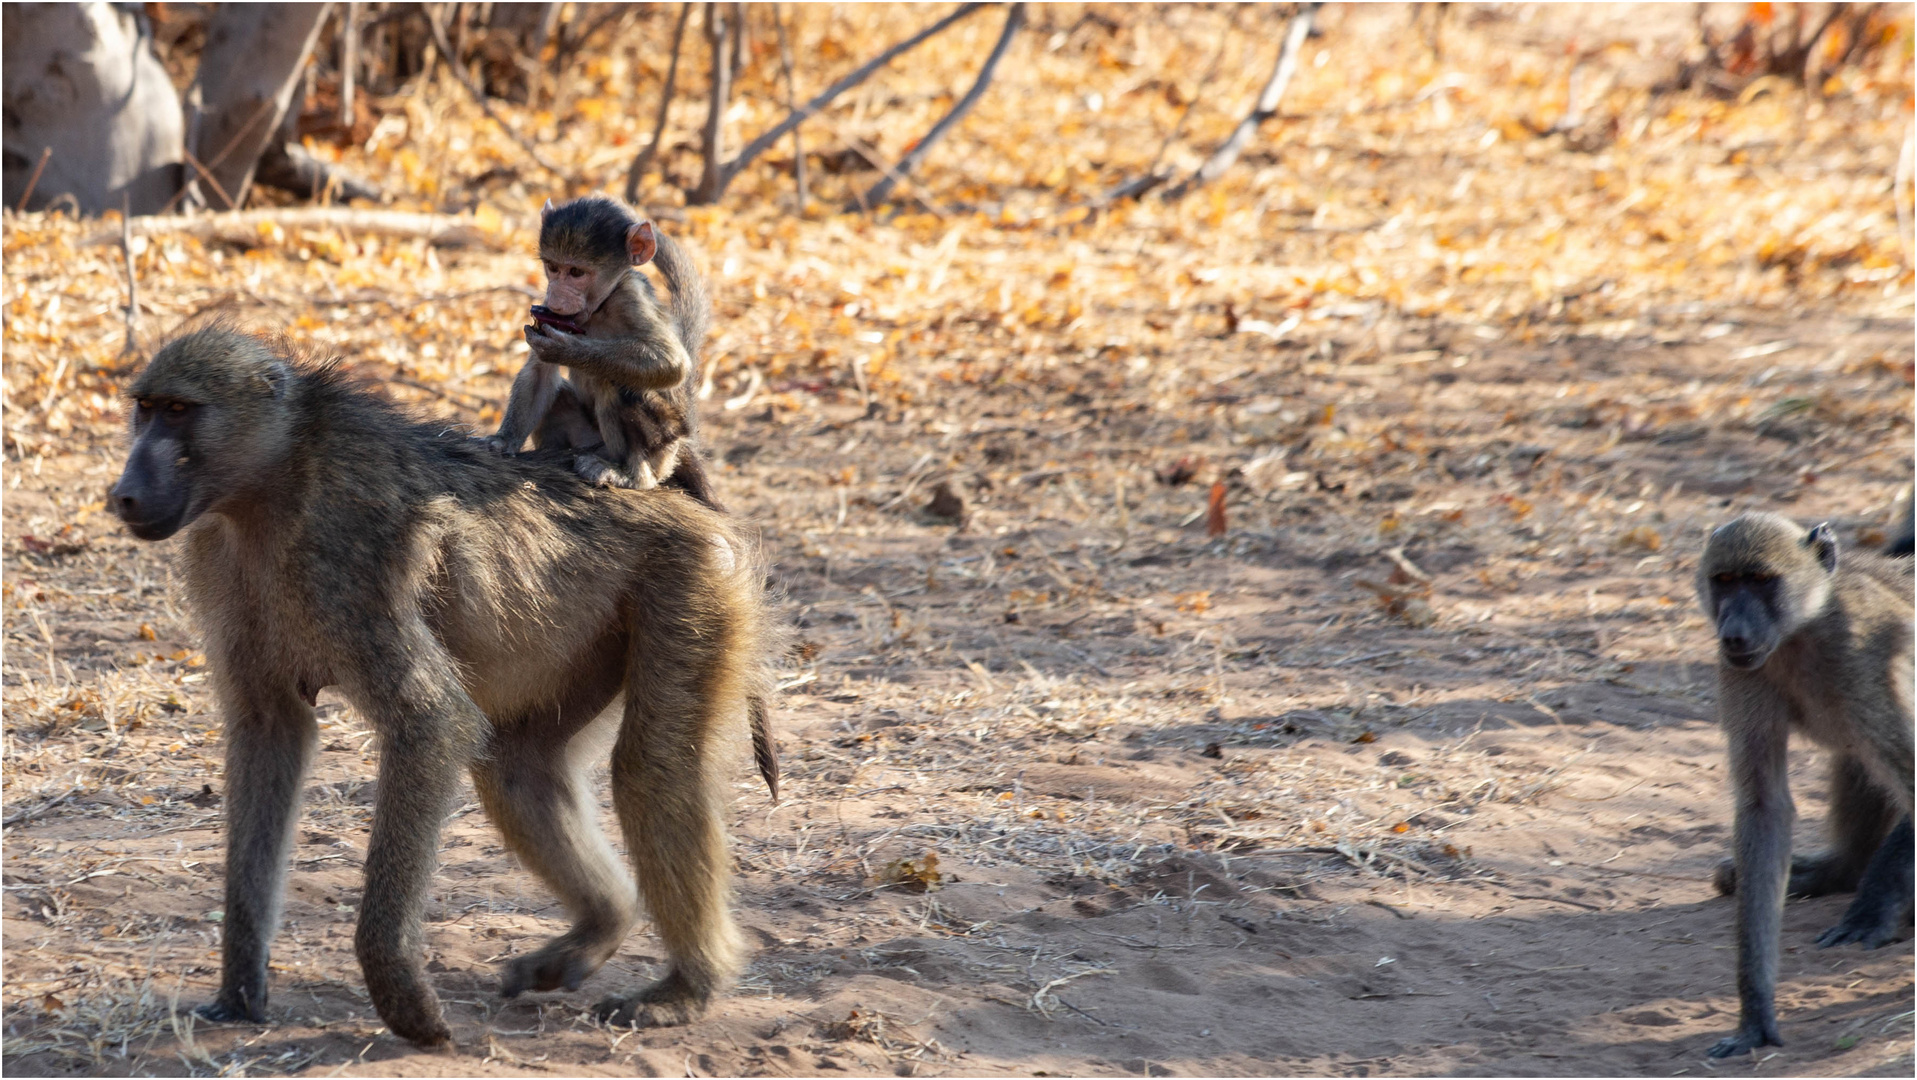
pixel 546 211
pixel 276 376
pixel 641 243
pixel 1824 543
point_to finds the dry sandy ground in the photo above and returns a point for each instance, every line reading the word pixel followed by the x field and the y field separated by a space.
pixel 1199 806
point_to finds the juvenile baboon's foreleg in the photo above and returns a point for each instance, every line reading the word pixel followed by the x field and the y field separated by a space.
pixel 270 737
pixel 679 702
pixel 1756 726
pixel 533 787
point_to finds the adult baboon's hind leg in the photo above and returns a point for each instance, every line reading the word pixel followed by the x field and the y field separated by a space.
pixel 532 782
pixel 665 783
pixel 1881 911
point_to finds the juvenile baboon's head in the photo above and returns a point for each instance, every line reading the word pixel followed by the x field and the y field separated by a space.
pixel 209 421
pixel 1761 578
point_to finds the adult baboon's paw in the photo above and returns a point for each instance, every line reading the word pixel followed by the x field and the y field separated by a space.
pixel 497 445
pixel 667 1003
pixel 550 968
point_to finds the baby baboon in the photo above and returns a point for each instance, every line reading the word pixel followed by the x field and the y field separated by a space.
pixel 1805 644
pixel 628 411
pixel 480 612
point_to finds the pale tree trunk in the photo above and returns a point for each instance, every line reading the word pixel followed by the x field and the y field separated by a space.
pixel 249 72
pixel 89 113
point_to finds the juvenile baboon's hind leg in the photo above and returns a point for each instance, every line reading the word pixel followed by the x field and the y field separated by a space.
pixel 1860 815
pixel 665 782
pixel 1881 911
pixel 533 785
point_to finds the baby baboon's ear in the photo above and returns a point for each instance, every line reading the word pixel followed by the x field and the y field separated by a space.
pixel 641 243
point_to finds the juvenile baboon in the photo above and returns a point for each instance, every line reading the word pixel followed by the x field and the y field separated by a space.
pixel 480 612
pixel 1808 645
pixel 628 411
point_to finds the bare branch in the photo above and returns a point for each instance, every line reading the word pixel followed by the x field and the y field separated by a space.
pixel 791 101
pixel 642 162
pixel 1267 106
pixel 712 180
pixel 1014 18
pixel 459 73
pixel 132 345
pixel 1137 186
pixel 798 116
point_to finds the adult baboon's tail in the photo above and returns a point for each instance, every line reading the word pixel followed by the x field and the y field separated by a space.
pixel 763 749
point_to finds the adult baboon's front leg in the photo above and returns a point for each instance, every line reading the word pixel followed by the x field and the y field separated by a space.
pixel 427 737
pixel 270 738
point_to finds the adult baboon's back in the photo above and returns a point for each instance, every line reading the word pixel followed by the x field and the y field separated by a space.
pixel 480 612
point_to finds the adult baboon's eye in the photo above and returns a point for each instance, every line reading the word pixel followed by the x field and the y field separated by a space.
pixel 144 404
pixel 1763 579
pixel 1723 579
pixel 177 407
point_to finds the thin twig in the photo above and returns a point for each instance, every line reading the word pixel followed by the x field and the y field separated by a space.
pixel 825 97
pixel 459 74
pixel 32 181
pixel 29 815
pixel 1014 18
pixel 872 158
pixel 1266 107
pixel 1137 186
pixel 643 160
pixel 791 102
pixel 713 177
pixel 208 177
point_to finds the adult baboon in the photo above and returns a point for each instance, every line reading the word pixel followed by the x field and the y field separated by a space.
pixel 1806 645
pixel 480 611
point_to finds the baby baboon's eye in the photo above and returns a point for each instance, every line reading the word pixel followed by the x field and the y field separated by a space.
pixel 575 271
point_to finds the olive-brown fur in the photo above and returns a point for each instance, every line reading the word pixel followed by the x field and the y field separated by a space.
pixel 480 612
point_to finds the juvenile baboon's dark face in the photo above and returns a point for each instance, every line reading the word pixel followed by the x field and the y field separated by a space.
pixel 1762 577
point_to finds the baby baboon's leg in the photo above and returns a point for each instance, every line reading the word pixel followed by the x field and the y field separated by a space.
pixel 1882 909
pixel 682 695
pixel 567 426
pixel 534 788
pixel 270 738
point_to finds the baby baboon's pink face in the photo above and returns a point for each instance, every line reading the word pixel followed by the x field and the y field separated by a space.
pixel 570 287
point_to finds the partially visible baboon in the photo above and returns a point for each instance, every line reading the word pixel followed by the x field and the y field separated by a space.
pixel 1807 645
pixel 480 612
pixel 628 411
